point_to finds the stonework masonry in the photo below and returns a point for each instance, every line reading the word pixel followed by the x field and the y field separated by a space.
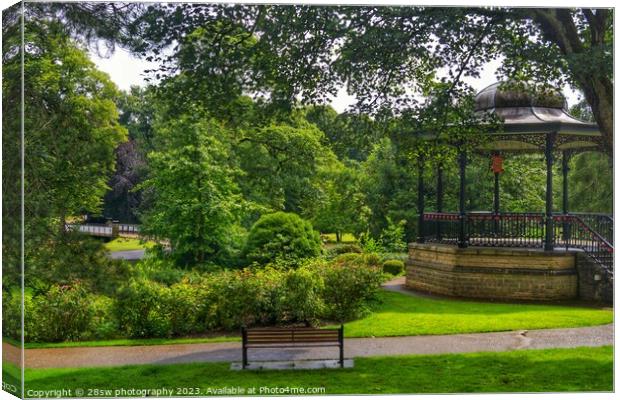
pixel 595 283
pixel 492 273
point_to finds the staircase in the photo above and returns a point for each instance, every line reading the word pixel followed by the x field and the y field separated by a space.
pixel 591 233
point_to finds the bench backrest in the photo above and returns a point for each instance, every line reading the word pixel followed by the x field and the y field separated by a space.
pixel 292 335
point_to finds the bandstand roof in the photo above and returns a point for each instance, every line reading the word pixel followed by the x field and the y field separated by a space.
pixel 528 117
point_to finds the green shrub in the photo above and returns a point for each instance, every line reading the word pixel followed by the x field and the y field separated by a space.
pixel 269 307
pixel 185 305
pixel 343 249
pixel 161 270
pixel 349 289
pixel 64 313
pixel 394 256
pixel 238 299
pixel 393 267
pixel 103 325
pixel 281 236
pixel 369 244
pixel 301 300
pixel 140 309
pixel 393 236
pixel 11 314
pixel 355 259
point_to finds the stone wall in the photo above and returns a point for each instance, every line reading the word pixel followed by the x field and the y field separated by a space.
pixel 492 273
pixel 595 284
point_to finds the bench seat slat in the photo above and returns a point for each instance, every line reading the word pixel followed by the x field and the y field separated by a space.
pixel 282 338
pixel 291 336
pixel 290 345
pixel 260 331
pixel 291 330
pixel 292 341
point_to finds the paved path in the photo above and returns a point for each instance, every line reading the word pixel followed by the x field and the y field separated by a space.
pixel 354 347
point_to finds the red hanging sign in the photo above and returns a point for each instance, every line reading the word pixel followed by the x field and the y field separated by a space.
pixel 497 164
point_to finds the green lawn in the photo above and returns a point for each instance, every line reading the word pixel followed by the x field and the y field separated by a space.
pixel 346 237
pixel 129 342
pixel 554 370
pixel 125 244
pixel 401 315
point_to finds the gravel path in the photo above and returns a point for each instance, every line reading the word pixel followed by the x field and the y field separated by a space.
pixel 354 347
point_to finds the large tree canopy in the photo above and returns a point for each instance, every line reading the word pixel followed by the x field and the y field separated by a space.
pixel 383 55
pixel 70 130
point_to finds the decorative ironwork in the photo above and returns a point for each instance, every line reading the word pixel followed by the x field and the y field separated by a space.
pixel 578 234
pixel 487 229
pixel 533 128
pixel 591 233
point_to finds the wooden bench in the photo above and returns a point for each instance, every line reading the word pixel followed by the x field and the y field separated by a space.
pixel 269 338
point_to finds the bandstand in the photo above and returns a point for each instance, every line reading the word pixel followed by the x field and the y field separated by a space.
pixel 507 255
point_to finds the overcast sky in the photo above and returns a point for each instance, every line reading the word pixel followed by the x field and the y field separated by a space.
pixel 125 71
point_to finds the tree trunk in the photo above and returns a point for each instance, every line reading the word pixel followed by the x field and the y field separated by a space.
pixel 338 236
pixel 558 26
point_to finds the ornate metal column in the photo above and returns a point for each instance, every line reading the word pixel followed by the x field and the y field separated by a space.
pixel 565 169
pixel 462 242
pixel 421 232
pixel 439 197
pixel 549 234
pixel 497 167
pixel 496 194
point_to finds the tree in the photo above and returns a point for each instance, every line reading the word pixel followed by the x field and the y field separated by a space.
pixel 193 199
pixel 389 187
pixel 584 39
pixel 590 174
pixel 71 126
pixel 385 55
pixel 70 131
pixel 280 164
pixel 341 206
pixel 138 110
pixel 350 135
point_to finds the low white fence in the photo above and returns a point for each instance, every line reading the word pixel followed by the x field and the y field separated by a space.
pixel 92 229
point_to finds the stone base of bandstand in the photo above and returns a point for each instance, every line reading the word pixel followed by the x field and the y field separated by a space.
pixel 492 273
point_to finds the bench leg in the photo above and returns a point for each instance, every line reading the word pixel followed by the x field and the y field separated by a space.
pixel 244 348
pixel 341 340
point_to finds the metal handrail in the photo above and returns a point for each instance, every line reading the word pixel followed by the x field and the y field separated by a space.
pixel 511 229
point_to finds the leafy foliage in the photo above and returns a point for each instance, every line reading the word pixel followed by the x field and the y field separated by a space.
pixel 140 309
pixel 280 164
pixel 72 129
pixel 393 236
pixel 393 267
pixel 194 200
pixel 283 236
pixel 351 284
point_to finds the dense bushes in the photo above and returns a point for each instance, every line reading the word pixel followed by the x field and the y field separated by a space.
pixel 225 300
pixel 140 309
pixel 63 313
pixel 351 284
pixel 393 267
pixel 281 236
pixel 343 249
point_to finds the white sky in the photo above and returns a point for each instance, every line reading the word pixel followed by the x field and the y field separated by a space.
pixel 126 71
